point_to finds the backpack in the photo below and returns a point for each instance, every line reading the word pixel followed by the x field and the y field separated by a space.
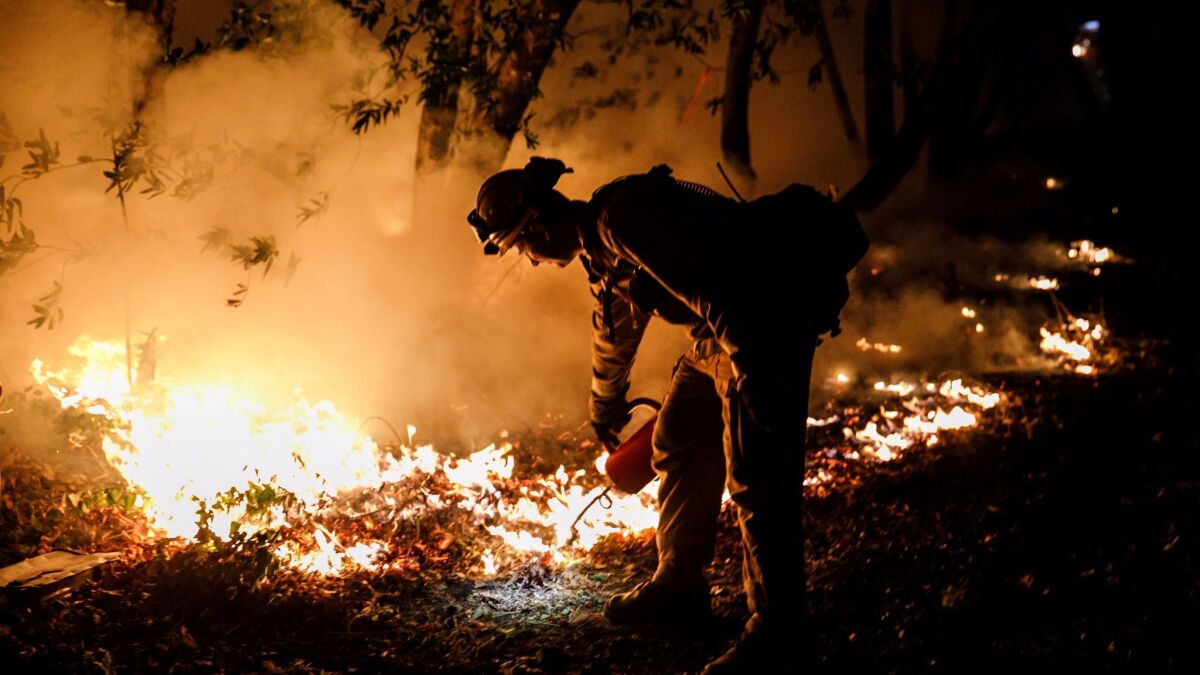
pixel 824 239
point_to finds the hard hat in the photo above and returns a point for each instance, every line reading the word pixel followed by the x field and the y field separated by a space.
pixel 500 213
pixel 508 201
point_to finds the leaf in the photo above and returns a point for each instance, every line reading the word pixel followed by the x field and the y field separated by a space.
pixel 237 297
pixel 215 239
pixel 47 312
pixel 290 271
pixel 317 206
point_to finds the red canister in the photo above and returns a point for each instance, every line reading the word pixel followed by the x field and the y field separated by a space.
pixel 629 467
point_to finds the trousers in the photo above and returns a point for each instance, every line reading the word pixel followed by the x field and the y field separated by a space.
pixel 706 440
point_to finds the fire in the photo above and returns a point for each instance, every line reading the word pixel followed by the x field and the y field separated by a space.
pixel 924 411
pixel 885 348
pixel 1077 342
pixel 1086 251
pixel 185 446
pixel 1044 283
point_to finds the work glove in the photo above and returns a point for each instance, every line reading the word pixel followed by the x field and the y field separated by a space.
pixel 606 431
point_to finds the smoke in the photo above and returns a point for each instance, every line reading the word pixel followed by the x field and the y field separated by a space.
pixel 380 299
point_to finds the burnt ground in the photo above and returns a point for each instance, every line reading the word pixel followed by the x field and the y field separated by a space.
pixel 1063 534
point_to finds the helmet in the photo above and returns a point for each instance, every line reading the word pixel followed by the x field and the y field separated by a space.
pixel 500 213
pixel 507 202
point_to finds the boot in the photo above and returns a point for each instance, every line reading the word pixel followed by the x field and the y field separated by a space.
pixel 658 602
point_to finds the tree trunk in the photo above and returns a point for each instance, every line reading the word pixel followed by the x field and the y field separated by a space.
pixel 518 77
pixel 735 109
pixel 440 113
pixel 953 70
pixel 877 70
pixel 161 15
pixel 952 137
pixel 829 63
pixel 909 59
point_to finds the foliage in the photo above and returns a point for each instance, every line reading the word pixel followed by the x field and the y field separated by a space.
pixel 259 251
pixel 255 252
pixel 316 207
pixel 446 67
pixel 47 310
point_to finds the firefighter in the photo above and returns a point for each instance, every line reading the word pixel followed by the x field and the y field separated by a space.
pixel 735 414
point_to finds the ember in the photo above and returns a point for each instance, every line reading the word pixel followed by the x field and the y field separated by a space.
pixel 885 348
pixel 1076 343
pixel 1086 251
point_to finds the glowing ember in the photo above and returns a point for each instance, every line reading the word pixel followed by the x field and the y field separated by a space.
pixel 1086 251
pixel 968 313
pixel 921 414
pixel 1054 343
pixel 898 388
pixel 1044 283
pixel 866 346
pixel 1076 342
pixel 956 391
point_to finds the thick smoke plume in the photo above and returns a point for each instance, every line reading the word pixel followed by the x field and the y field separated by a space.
pixel 379 299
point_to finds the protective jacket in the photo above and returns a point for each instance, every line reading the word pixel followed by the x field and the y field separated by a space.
pixel 755 276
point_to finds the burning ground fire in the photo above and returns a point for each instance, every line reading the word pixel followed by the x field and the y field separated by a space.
pixel 1077 342
pixel 212 460
pixel 188 448
pixel 904 415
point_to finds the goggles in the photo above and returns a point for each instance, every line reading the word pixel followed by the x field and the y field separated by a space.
pixel 499 240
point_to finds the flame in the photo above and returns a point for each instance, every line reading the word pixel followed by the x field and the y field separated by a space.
pixel 866 346
pixel 921 415
pixel 1076 342
pixel 1086 251
pixel 1055 343
pixel 182 445
pixel 899 388
pixel 956 391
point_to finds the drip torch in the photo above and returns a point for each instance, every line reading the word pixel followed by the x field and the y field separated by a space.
pixel 628 467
